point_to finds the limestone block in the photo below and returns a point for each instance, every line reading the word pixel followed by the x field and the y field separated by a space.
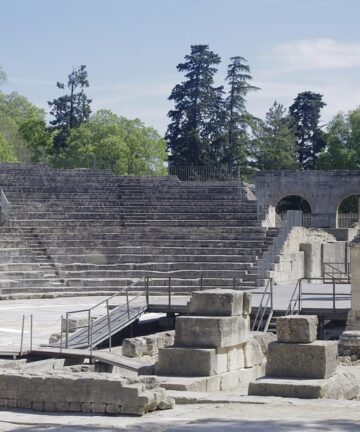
pixel 343 385
pixel 176 361
pixel 133 347
pixel 349 343
pixel 253 353
pixel 222 361
pixel 264 338
pixel 297 329
pixel 236 357
pixel 247 375
pixel 219 332
pixel 229 381
pixel 315 360
pixel 218 302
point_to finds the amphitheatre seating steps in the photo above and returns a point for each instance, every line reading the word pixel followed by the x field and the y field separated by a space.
pixel 85 229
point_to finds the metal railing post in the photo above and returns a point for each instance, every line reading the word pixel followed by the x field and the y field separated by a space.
pixel 31 332
pixel 109 323
pixel 127 302
pixel 91 341
pixel 89 321
pixel 169 293
pixel 94 161
pixel 67 330
pixel 147 290
pixel 271 295
pixel 299 297
pixel 334 294
pixel 61 335
pixel 22 334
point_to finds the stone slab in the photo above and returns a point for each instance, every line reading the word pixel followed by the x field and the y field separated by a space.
pixel 186 362
pixel 219 302
pixel 297 329
pixel 343 385
pixel 218 332
pixel 316 360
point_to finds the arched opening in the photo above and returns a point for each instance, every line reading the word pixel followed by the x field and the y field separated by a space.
pixel 348 212
pixel 294 202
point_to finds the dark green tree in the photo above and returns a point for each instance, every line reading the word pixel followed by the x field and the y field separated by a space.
pixel 238 119
pixel 72 109
pixel 310 139
pixel 196 118
pixel 276 141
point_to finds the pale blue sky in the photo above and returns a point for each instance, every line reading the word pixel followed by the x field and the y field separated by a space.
pixel 131 49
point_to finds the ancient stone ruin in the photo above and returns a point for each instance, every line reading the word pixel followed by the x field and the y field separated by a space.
pixel 214 348
pixel 300 366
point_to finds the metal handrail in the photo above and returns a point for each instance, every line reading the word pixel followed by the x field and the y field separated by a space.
pixel 333 271
pixel 124 291
pixel 265 305
pixel 295 303
pixel 23 331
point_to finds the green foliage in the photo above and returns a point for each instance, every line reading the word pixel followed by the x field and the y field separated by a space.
pixel 306 114
pixel 125 146
pixel 14 111
pixel 38 138
pixel 342 140
pixel 238 119
pixel 276 141
pixel 197 119
pixel 72 109
pixel 6 151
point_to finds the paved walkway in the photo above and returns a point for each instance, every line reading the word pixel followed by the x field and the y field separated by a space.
pixel 47 312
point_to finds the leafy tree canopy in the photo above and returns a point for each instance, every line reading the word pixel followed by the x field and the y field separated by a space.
pixel 275 141
pixel 14 111
pixel 127 147
pixel 342 140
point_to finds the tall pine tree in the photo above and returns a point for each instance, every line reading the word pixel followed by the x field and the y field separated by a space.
pixel 310 139
pixel 195 126
pixel 72 109
pixel 238 77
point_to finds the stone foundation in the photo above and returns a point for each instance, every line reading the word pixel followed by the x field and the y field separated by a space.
pixel 80 392
pixel 214 348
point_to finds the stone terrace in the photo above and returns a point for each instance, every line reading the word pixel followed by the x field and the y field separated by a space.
pixel 87 232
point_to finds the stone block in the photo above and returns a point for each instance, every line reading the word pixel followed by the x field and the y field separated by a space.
pixel 133 347
pixel 222 360
pixel 218 332
pixel 253 353
pixel 217 302
pixel 25 404
pixel 98 407
pixel 247 375
pixel 176 361
pixel 343 385
pixel 229 381
pixel 297 329
pixel 114 409
pixel 317 360
pixel 75 406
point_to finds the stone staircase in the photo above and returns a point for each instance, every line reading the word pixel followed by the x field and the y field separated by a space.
pixel 85 232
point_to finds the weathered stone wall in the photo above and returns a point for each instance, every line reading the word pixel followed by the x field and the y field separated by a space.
pixel 80 392
pixel 301 255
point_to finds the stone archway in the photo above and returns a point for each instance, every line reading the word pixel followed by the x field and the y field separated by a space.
pixel 323 190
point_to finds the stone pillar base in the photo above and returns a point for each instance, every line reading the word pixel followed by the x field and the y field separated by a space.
pixel 349 344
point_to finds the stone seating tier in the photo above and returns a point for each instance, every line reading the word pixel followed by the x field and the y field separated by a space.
pixel 83 230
